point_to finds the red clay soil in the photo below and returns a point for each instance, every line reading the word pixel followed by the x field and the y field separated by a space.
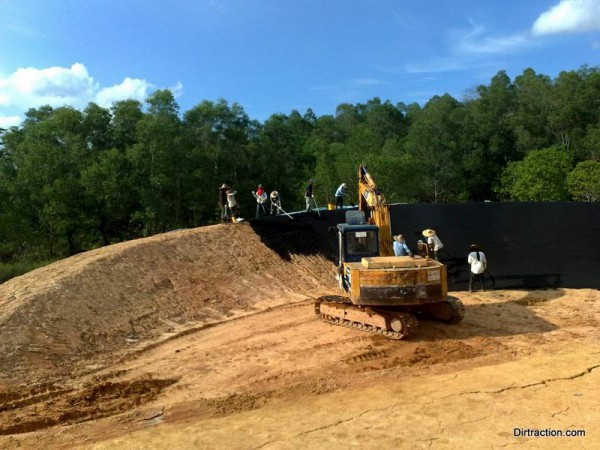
pixel 207 338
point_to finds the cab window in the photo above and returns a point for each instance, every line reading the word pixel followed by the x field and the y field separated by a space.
pixel 361 243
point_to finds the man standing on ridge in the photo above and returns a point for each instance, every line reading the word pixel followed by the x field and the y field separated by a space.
pixel 339 196
pixel 308 195
pixel 223 202
pixel 261 200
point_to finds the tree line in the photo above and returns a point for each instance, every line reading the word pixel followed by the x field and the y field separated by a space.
pixel 72 180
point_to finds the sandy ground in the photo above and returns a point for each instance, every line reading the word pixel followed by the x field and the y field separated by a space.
pixel 257 369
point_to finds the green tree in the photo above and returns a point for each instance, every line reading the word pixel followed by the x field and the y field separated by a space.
pixel 125 116
pixel 434 141
pixel 488 139
pixel 282 160
pixel 584 181
pixel 48 160
pixel 530 121
pixel 217 140
pixel 157 163
pixel 541 176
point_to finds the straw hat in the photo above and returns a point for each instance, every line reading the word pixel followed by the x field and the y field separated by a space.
pixel 428 232
pixel 399 238
pixel 274 194
pixel 224 186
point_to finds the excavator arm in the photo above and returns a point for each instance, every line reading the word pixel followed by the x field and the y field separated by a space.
pixel 376 209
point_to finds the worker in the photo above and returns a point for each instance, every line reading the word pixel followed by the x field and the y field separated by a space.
pixel 422 249
pixel 223 202
pixel 339 196
pixel 275 203
pixel 308 195
pixel 261 200
pixel 232 203
pixel 478 264
pixel 400 247
pixel 435 245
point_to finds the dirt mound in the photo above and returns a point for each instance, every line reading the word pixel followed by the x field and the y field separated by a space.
pixel 81 312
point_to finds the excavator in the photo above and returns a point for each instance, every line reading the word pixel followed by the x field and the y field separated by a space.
pixel 384 293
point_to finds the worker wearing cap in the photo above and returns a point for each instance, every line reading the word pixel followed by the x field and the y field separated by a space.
pixel 261 199
pixel 339 196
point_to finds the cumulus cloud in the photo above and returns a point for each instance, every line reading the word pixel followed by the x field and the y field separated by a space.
pixel 129 88
pixel 29 87
pixel 58 86
pixel 569 16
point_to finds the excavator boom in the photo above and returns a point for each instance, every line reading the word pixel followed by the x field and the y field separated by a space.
pixel 372 201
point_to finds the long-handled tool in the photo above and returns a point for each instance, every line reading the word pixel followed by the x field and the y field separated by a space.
pixel 316 206
pixel 279 208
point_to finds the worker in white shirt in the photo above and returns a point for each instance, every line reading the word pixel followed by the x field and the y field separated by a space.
pixel 478 264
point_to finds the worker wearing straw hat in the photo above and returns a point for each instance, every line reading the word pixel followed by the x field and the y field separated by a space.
pixel 433 241
pixel 223 202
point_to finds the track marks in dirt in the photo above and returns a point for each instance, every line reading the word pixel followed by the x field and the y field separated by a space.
pixel 38 410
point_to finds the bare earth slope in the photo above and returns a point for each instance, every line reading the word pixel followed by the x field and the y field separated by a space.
pixel 84 309
pixel 226 352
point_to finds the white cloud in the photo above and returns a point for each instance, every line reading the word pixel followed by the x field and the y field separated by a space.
pixel 10 121
pixel 569 16
pixel 177 90
pixel 476 41
pixel 130 88
pixel 29 87
pixel 58 86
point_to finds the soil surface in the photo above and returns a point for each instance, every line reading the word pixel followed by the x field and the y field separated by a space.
pixel 207 338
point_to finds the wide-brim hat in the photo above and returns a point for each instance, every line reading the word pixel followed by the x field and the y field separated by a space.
pixel 224 186
pixel 428 232
pixel 399 238
pixel 274 194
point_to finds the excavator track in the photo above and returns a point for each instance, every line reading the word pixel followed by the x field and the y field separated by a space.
pixel 392 324
pixel 450 311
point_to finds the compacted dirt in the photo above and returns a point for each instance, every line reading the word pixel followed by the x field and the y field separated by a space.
pixel 207 338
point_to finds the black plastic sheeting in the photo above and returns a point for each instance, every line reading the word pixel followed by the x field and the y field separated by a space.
pixel 527 245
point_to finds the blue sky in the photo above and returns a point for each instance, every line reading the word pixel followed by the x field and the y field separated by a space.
pixel 274 56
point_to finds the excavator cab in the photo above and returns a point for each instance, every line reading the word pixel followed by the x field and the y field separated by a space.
pixel 357 242
pixel 356 238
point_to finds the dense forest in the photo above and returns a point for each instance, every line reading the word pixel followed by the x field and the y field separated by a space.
pixel 73 180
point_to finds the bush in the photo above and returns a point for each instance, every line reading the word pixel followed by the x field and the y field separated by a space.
pixel 14 269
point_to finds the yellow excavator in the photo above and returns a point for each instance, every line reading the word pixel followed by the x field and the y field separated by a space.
pixel 385 293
